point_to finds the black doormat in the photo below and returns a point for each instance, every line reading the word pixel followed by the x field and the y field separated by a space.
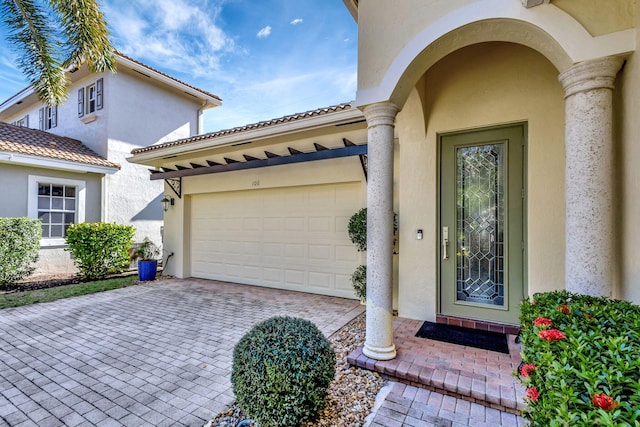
pixel 485 340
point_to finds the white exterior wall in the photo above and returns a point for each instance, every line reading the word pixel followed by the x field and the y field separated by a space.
pixel 140 114
pixel 136 112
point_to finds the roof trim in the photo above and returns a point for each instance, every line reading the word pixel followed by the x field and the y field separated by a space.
pixel 50 163
pixel 336 115
pixel 209 99
pixel 214 100
pixel 321 153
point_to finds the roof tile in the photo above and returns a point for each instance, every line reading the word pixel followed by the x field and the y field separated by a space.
pixel 16 139
pixel 279 120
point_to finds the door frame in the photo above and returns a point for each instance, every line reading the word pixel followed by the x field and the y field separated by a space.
pixel 438 250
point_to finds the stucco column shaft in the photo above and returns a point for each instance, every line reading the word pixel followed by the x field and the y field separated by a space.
pixel 379 337
pixel 589 183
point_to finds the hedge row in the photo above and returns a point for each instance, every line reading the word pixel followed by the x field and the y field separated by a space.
pixel 19 246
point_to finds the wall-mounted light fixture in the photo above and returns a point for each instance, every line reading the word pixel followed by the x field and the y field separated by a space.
pixel 166 202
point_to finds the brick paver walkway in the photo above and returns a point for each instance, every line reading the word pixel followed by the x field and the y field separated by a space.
pixel 405 405
pixel 157 354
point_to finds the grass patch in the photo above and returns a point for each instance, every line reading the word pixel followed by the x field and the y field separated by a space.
pixel 18 299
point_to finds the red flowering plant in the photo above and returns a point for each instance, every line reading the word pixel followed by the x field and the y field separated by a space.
pixel 603 401
pixel 542 321
pixel 580 360
pixel 551 335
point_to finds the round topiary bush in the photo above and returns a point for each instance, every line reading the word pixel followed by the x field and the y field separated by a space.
pixel 281 371
pixel 359 281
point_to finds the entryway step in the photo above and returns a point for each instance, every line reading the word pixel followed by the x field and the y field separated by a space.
pixel 480 376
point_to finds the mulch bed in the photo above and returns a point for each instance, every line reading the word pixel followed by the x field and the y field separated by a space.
pixel 45 282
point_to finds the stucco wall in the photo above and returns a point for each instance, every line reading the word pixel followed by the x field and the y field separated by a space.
pixel 479 86
pixel 627 104
pixel 176 236
pixel 393 37
pixel 136 112
pixel 53 259
pixel 144 114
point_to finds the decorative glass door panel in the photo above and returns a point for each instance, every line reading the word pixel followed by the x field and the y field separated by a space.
pixel 482 224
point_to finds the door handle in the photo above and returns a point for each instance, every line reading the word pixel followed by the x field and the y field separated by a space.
pixel 445 242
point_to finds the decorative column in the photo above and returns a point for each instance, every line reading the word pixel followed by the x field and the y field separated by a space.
pixel 589 184
pixel 379 338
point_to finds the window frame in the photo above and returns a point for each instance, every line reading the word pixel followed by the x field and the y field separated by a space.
pixel 85 100
pixel 22 122
pixel 32 201
pixel 48 117
pixel 89 99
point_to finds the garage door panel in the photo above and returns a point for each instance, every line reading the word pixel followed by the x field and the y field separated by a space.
pixel 295 250
pixel 296 277
pixel 320 252
pixel 343 282
pixel 290 238
pixel 346 254
pixel 320 224
pixel 321 280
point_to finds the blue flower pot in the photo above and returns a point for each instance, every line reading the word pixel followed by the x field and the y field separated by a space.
pixel 147 270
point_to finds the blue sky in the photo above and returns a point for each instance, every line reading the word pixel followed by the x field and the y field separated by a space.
pixel 264 58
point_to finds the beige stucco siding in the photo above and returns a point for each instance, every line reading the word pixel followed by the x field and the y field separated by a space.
pixel 628 174
pixel 601 16
pixel 479 86
pixel 397 43
pixel 335 171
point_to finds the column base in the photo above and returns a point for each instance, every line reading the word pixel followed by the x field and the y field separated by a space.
pixel 379 353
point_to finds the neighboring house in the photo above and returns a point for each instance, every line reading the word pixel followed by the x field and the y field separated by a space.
pixel 54 178
pixel 111 114
pixel 268 203
pixel 504 133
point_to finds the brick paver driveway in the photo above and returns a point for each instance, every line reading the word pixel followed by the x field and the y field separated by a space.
pixel 156 354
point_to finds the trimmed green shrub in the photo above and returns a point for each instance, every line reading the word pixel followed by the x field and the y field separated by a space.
pixel 281 371
pixel 100 248
pixel 359 281
pixel 581 362
pixel 358 229
pixel 19 246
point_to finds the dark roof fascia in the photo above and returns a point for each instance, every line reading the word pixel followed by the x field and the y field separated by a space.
pixel 333 153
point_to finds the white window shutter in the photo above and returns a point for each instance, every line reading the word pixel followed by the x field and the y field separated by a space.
pixel 80 102
pixel 54 116
pixel 41 112
pixel 99 94
pixel 26 120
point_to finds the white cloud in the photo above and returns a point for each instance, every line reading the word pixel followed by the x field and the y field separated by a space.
pixel 265 32
pixel 180 35
pixel 296 21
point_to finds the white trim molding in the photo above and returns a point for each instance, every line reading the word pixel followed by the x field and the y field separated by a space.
pixel 49 163
pixel 32 201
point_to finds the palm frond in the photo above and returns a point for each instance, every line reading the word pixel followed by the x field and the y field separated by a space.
pixel 33 39
pixel 87 37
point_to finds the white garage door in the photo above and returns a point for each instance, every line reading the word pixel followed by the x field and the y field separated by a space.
pixel 289 238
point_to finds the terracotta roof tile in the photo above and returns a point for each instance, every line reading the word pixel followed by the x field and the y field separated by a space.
pixel 16 139
pixel 284 119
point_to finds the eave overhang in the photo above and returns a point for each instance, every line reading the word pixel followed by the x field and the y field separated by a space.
pixel 11 158
pixel 194 148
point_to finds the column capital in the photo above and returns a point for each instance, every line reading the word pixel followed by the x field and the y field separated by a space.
pixel 589 75
pixel 382 113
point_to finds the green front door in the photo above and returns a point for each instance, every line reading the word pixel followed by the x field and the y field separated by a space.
pixel 482 223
